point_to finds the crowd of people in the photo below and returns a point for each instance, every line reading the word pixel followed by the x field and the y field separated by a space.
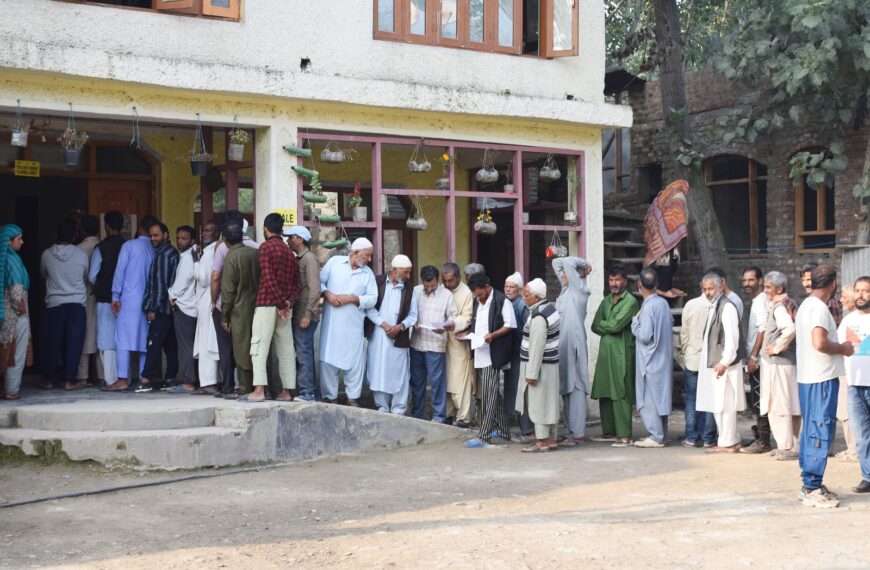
pixel 206 317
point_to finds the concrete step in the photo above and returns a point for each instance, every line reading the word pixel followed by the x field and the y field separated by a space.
pixel 123 416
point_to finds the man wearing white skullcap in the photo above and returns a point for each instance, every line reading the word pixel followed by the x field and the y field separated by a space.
pixel 349 289
pixel 388 330
pixel 513 290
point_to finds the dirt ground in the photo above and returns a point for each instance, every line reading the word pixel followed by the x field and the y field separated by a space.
pixel 442 506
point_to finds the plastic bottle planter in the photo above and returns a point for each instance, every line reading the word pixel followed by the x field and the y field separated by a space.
pixel 71 156
pixel 550 171
pixel 508 188
pixel 236 152
pixel 333 156
pixel 334 243
pixel 19 137
pixel 442 184
pixel 303 152
pixel 414 166
pixel 313 197
pixel 487 175
pixel 360 214
pixel 570 217
pixel 328 218
pixel 488 228
pixel 416 224
pixel 198 166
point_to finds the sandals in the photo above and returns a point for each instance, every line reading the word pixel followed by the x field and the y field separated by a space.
pixel 12 397
pixel 206 391
pixel 536 448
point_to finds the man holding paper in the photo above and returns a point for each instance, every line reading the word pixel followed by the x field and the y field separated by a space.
pixel 435 309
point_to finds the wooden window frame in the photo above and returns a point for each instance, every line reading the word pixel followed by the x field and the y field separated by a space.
pixel 517 47
pixel 547 24
pixel 230 13
pixel 196 8
pixel 821 209
pixel 751 180
pixel 398 21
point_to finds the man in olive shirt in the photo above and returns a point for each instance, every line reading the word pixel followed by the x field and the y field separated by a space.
pixel 306 311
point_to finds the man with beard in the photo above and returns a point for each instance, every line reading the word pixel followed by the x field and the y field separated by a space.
pixel 753 286
pixel 388 329
pixel 513 290
pixel 460 367
pixel 182 297
pixel 205 344
pixel 613 384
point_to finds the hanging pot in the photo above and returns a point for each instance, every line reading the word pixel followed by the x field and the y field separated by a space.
pixel 571 217
pixel 485 227
pixel 508 188
pixel 236 152
pixel 442 184
pixel 72 156
pixel 199 167
pixel 328 218
pixel 332 156
pixel 414 166
pixel 416 224
pixel 360 214
pixel 303 152
pixel 313 197
pixel 19 137
pixel 487 175
pixel 554 251
pixel 550 171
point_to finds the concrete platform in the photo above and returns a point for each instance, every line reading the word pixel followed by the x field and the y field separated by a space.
pixel 164 432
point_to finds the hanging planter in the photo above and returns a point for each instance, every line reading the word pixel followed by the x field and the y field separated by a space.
pixel 358 212
pixel 334 154
pixel 484 223
pixel 488 174
pixel 555 249
pixel 508 178
pixel 200 158
pixel 238 139
pixel 303 152
pixel 72 141
pixel 550 171
pixel 446 160
pixel 136 140
pixel 20 130
pixel 418 161
pixel 573 187
pixel 570 217
pixel 315 195
pixel 328 218
pixel 416 221
pixel 335 243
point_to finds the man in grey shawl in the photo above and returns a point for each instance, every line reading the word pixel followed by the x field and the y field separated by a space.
pixel 573 354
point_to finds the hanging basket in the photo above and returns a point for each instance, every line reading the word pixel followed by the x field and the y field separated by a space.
pixel 333 153
pixel 199 167
pixel 418 161
pixel 199 157
pixel 570 217
pixel 555 249
pixel 21 129
pixel 487 175
pixel 19 137
pixel 508 188
pixel 360 214
pixel 550 171
pixel 487 228
pixel 416 224
pixel 303 152
pixel 442 184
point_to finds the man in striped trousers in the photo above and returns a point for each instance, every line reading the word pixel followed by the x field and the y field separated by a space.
pixel 491 338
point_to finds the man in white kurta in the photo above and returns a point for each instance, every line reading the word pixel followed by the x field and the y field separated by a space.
pixel 389 367
pixel 349 290
pixel 720 382
pixel 205 345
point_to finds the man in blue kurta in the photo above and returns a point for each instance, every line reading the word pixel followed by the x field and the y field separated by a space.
pixel 393 316
pixel 128 288
pixel 349 290
pixel 654 372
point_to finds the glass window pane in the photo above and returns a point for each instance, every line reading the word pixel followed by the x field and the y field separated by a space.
pixel 625 143
pixel 820 242
pixel 476 21
pixel 608 146
pixel 731 203
pixel 811 207
pixel 563 25
pixel 506 23
pixel 729 168
pixel 609 182
pixel 448 19
pixel 386 16
pixel 829 209
pixel 418 17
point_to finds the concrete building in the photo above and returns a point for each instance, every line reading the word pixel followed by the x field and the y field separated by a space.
pixel 486 83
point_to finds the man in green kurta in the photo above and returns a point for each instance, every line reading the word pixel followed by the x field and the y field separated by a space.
pixel 239 284
pixel 613 384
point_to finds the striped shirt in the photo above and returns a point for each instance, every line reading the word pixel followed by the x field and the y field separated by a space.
pixel 551 347
pixel 432 309
pixel 160 278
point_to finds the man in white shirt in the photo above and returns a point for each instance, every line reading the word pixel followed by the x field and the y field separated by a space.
pixel 753 286
pixel 855 329
pixel 726 290
pixel 182 297
pixel 699 425
pixel 493 321
pixel 819 366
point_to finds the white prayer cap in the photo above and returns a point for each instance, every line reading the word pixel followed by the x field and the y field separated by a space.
pixel 537 288
pixel 515 278
pixel 361 243
pixel 401 262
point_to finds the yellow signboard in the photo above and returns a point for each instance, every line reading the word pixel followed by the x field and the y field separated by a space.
pixel 289 216
pixel 27 168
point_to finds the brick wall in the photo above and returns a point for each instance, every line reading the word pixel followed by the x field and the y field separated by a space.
pixel 709 97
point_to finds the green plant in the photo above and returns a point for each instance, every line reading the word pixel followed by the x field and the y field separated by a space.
pixel 355 199
pixel 72 139
pixel 239 136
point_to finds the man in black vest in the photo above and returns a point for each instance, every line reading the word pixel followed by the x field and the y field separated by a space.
pixel 101 274
pixel 492 325
pixel 394 314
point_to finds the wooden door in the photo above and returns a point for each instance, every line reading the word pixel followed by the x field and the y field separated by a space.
pixel 130 197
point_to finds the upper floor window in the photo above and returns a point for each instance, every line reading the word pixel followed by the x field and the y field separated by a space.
pixel 229 9
pixel 814 215
pixel 739 189
pixel 616 166
pixel 545 28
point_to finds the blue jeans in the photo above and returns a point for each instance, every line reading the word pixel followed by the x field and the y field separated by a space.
pixel 859 420
pixel 431 366
pixel 819 410
pixel 63 336
pixel 303 340
pixel 698 424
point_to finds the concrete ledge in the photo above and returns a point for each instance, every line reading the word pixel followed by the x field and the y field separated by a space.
pixel 121 416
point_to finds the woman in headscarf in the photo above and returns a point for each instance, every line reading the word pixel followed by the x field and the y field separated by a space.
pixel 573 354
pixel 14 320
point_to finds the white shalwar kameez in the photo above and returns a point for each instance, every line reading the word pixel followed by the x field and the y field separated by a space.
pixel 389 368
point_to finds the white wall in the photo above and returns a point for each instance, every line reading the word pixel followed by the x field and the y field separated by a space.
pixel 261 55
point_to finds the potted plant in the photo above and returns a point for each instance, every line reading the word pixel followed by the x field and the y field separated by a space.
pixel 550 171
pixel 200 158
pixel 446 160
pixel 359 213
pixel 21 129
pixel 508 178
pixel 484 223
pixel 72 140
pixel 238 139
pixel 315 195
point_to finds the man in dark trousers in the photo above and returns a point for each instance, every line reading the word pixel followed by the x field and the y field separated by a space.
pixel 100 276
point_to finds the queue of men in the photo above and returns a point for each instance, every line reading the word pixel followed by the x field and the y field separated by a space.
pixel 204 318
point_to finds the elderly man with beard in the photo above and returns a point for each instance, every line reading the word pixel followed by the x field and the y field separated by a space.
pixel 513 290
pixel 388 330
pixel 349 289
pixel 613 384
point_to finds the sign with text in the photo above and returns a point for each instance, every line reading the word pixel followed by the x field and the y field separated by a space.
pixel 27 168
pixel 289 216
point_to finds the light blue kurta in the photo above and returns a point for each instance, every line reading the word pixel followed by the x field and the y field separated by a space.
pixel 341 330
pixel 653 355
pixel 389 367
pixel 128 286
pixel 571 304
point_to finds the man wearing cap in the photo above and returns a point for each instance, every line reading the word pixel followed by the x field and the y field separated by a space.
pixel 388 329
pixel 306 311
pixel 513 290
pixel 349 290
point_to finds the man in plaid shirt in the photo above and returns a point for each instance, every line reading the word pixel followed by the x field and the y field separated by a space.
pixel 279 288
